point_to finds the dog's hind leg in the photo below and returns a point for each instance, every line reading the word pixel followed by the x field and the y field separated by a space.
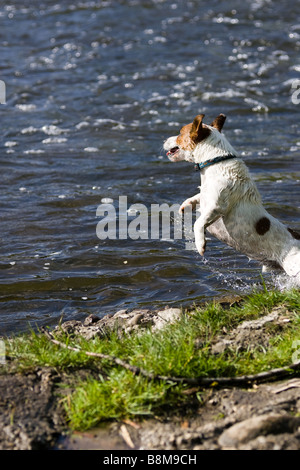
pixel 291 263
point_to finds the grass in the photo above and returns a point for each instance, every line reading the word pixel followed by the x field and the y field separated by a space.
pixel 181 349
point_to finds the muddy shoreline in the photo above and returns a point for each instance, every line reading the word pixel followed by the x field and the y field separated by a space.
pixel 264 416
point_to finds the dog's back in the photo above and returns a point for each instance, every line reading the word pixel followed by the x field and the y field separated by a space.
pixel 245 225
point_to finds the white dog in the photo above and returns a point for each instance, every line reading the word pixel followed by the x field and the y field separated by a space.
pixel 230 204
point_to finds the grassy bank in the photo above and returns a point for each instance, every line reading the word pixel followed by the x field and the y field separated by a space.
pixel 95 390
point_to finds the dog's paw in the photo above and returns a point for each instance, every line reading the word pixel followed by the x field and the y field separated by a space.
pixel 187 203
pixel 200 245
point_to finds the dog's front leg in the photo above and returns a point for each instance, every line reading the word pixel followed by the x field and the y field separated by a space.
pixel 206 218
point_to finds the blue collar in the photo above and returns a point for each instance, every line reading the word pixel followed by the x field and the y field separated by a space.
pixel 200 166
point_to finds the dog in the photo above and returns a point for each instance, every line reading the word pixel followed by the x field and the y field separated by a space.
pixel 229 202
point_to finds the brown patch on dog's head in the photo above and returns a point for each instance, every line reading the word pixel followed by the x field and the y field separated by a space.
pixel 191 134
pixel 218 123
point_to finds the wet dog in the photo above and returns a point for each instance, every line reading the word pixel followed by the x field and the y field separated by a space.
pixel 230 204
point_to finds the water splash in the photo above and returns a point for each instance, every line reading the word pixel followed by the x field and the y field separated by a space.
pixel 283 282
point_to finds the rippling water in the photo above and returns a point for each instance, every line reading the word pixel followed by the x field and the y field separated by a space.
pixel 93 88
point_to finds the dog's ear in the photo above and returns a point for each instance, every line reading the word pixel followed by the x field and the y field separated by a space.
pixel 198 131
pixel 197 124
pixel 218 123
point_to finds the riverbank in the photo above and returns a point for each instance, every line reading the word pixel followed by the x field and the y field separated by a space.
pixel 214 376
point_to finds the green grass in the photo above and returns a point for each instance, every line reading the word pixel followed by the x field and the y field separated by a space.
pixel 180 349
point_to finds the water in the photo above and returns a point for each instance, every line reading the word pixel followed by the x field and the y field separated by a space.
pixel 93 88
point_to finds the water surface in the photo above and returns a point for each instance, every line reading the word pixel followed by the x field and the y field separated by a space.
pixel 93 90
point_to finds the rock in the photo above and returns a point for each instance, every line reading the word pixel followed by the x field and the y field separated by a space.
pixel 122 321
pixel 251 334
pixel 69 326
pixel 136 319
pixel 162 317
pixel 120 314
pixel 274 316
pixel 221 346
pixel 91 332
pixel 251 428
pixel 90 320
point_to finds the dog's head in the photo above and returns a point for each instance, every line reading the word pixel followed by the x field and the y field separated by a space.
pixel 181 147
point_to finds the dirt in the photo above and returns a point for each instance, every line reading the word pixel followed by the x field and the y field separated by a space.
pixel 264 416
pixel 29 413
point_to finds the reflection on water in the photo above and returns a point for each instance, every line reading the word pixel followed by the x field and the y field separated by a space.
pixel 93 89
